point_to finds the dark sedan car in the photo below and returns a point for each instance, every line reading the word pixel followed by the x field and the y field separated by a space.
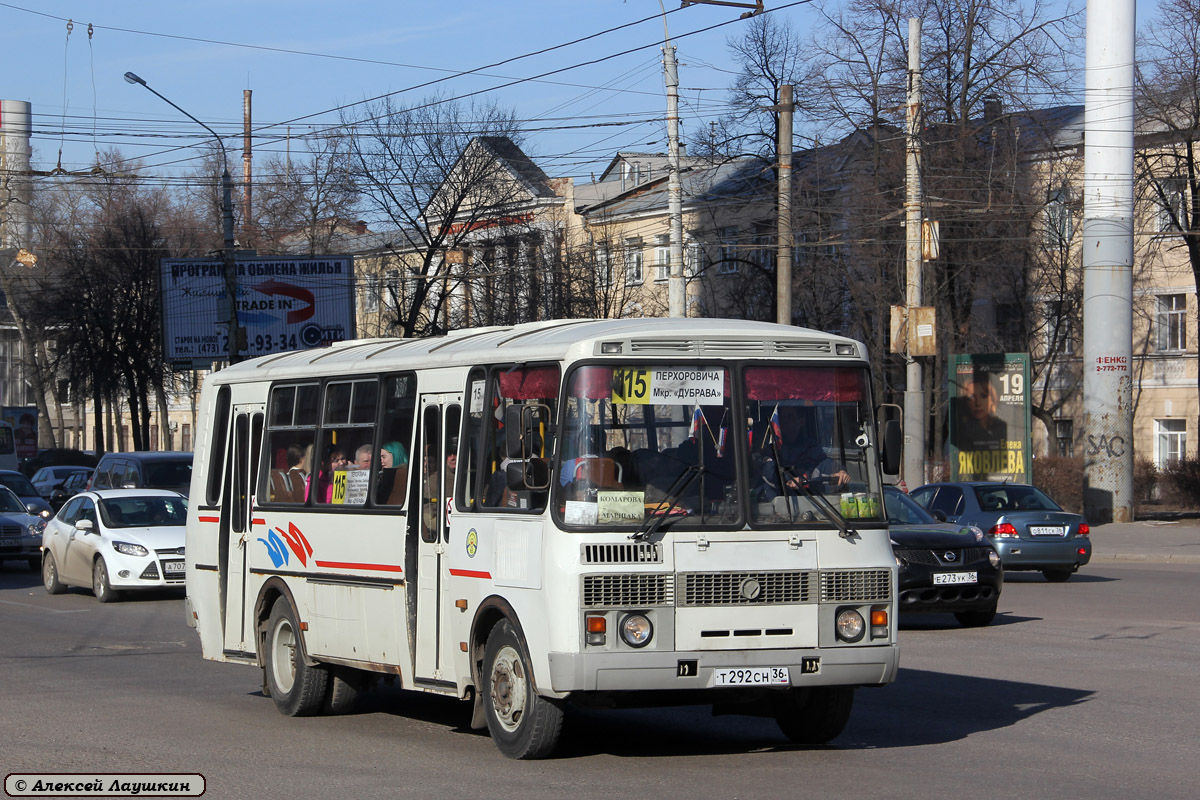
pixel 1028 529
pixel 943 567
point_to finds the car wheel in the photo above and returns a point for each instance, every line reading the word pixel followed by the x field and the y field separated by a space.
pixel 522 723
pixel 1057 575
pixel 815 715
pixel 297 689
pixel 101 587
pixel 975 619
pixel 50 575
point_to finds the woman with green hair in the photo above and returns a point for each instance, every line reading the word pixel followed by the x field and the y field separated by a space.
pixel 390 490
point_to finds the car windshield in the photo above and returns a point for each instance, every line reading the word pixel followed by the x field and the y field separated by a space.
pixel 18 483
pixel 1010 497
pixel 651 446
pixel 10 503
pixel 169 474
pixel 143 512
pixel 903 510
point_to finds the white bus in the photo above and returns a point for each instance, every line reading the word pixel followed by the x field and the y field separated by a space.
pixel 584 511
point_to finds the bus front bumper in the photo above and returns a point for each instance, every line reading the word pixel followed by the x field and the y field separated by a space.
pixel 675 670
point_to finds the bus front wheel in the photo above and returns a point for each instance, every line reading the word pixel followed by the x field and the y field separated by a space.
pixel 522 723
pixel 815 715
pixel 297 689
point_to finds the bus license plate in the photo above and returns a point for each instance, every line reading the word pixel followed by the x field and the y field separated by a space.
pixel 172 568
pixel 751 676
pixel 943 578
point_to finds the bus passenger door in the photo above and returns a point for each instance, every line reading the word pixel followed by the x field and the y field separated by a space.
pixel 237 508
pixel 436 441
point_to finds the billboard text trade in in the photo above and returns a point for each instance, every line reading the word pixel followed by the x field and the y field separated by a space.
pixel 989 417
pixel 283 303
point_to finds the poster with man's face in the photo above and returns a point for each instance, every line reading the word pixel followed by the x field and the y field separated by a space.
pixel 989 417
pixel 24 421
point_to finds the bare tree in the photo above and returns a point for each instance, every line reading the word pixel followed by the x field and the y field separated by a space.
pixel 1168 103
pixel 306 197
pixel 440 173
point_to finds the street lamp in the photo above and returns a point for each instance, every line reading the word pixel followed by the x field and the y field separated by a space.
pixel 235 331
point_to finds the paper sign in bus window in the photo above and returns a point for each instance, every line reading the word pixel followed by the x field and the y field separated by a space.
pixel 620 507
pixel 669 385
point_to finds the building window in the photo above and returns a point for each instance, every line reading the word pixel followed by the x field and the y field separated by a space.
pixel 1169 200
pixel 371 293
pixel 1170 441
pixel 1064 437
pixel 1059 337
pixel 765 251
pixel 604 276
pixel 1172 322
pixel 633 262
pixel 391 289
pixel 662 258
pixel 729 251
pixel 1059 225
pixel 186 443
pixel 693 258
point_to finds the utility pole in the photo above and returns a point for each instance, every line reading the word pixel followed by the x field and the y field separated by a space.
pixel 783 267
pixel 247 161
pixel 676 291
pixel 914 392
pixel 1108 262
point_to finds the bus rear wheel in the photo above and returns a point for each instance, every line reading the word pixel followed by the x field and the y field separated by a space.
pixel 297 689
pixel 815 715
pixel 522 723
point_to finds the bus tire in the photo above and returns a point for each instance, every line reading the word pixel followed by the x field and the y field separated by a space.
pixel 341 691
pixel 297 689
pixel 815 715
pixel 522 724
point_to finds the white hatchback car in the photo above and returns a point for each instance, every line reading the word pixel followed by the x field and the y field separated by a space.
pixel 115 539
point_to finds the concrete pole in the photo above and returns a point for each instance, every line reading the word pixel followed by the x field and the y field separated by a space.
pixel 914 393
pixel 247 168
pixel 783 269
pixel 676 290
pixel 1108 262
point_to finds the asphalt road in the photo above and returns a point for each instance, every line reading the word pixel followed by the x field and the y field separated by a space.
pixel 1083 689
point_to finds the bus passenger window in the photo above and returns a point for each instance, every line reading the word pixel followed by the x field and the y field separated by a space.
pixel 348 458
pixel 505 488
pixel 395 439
pixel 291 432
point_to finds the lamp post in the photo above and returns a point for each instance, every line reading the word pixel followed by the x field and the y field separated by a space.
pixel 231 316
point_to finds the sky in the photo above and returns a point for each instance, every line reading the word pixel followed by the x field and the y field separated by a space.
pixel 303 59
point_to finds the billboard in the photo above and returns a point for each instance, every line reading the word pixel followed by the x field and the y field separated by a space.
pixel 989 417
pixel 284 303
pixel 24 421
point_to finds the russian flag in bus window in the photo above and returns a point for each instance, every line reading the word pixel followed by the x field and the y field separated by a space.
pixel 697 421
pixel 721 441
pixel 775 429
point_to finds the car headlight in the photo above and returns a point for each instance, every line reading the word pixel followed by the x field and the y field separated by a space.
pixel 130 549
pixel 993 558
pixel 636 630
pixel 36 528
pixel 850 625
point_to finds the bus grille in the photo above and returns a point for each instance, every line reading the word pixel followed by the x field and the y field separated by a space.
pixel 624 591
pixel 626 553
pixel 856 586
pixel 745 588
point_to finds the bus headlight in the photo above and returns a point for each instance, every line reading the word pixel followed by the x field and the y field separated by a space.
pixel 636 630
pixel 850 625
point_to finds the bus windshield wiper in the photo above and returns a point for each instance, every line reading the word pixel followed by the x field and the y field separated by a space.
pixel 673 494
pixel 820 502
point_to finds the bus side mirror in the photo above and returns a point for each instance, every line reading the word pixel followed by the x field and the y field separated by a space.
pixel 532 474
pixel 893 446
pixel 522 423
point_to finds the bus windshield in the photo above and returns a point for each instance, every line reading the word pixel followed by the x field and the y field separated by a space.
pixel 646 442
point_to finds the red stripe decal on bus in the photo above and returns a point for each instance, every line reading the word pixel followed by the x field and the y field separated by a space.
pixel 210 519
pixel 470 573
pixel 348 565
pixel 258 522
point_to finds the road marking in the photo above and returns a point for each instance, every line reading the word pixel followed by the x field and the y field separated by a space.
pixel 43 608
